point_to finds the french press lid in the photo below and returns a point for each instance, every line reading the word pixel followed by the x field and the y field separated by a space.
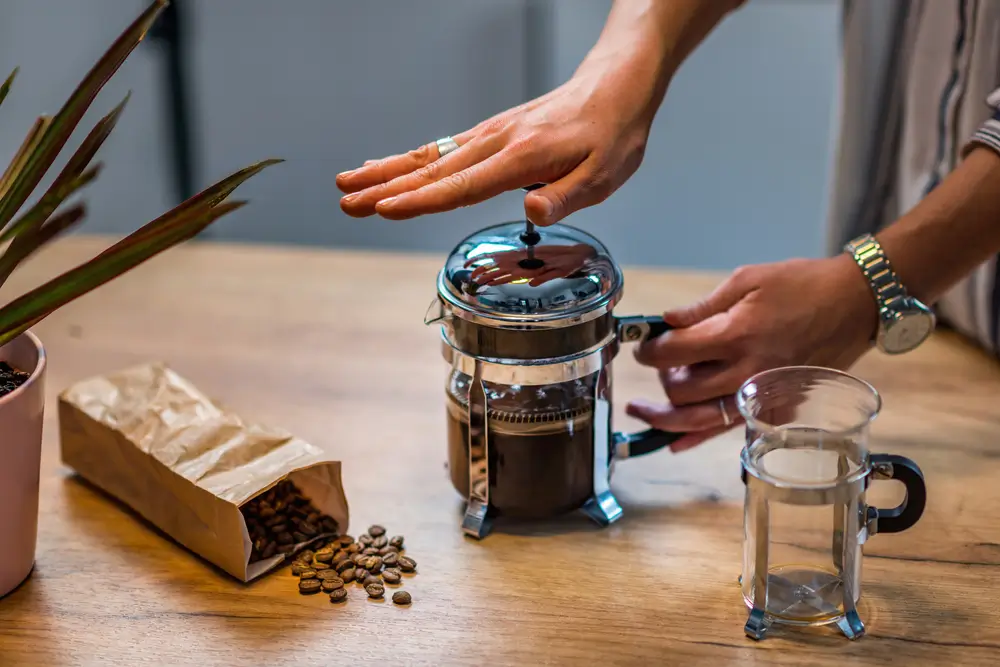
pixel 514 274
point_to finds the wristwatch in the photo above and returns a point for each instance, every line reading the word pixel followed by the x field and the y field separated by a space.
pixel 903 321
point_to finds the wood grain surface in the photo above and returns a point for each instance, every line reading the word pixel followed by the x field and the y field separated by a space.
pixel 331 346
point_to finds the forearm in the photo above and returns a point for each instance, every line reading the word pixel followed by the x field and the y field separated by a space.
pixel 951 232
pixel 646 41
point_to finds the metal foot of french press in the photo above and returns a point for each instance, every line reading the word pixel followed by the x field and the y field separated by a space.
pixel 476 522
pixel 757 624
pixel 602 507
pixel 848 522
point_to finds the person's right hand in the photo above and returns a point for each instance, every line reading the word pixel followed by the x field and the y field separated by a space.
pixel 584 139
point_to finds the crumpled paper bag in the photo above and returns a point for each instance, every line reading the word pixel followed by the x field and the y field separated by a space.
pixel 148 437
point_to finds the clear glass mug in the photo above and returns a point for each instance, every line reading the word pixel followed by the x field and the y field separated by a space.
pixel 806 468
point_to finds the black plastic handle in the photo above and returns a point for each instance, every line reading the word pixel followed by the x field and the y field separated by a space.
pixel 908 512
pixel 653 439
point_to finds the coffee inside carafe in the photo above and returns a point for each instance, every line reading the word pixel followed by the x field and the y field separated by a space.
pixel 540 444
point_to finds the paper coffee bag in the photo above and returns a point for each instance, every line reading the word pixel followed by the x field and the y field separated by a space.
pixel 148 437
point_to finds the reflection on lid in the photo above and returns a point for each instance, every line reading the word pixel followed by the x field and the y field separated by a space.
pixel 565 273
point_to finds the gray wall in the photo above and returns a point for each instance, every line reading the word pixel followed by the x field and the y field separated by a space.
pixel 736 170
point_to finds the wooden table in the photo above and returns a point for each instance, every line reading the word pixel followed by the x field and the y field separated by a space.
pixel 331 345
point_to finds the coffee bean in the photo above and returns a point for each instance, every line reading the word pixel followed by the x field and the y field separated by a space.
pixel 313 517
pixel 297 568
pixel 279 528
pixel 401 598
pixel 309 586
pixel 353 548
pixel 306 556
pixel 358 559
pixel 386 550
pixel 360 574
pixel 347 575
pixel 308 529
pixel 366 540
pixel 338 595
pixel 376 530
pixel 266 511
pixel 275 520
pixel 286 548
pixel 328 524
pixel 327 575
pixel 370 551
pixel 391 576
pixel 269 550
pixel 397 542
pixel 299 537
pixel 374 564
pixel 319 565
pixel 284 538
pixel 345 540
pixel 324 556
pixel 339 555
pixel 307 573
pixel 407 564
pixel 372 579
pixel 375 591
pixel 330 585
pixel 390 559
pixel 380 541
pixel 345 565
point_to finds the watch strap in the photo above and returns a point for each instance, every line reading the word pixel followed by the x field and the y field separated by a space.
pixel 885 284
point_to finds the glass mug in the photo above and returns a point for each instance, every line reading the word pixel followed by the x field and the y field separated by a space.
pixel 806 468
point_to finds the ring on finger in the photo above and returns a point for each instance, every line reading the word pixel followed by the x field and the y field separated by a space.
pixel 727 420
pixel 446 145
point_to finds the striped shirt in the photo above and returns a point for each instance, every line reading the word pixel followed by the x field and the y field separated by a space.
pixel 920 86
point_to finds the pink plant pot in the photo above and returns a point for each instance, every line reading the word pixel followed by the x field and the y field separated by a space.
pixel 21 414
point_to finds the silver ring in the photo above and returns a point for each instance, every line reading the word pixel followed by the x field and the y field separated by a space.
pixel 725 415
pixel 446 145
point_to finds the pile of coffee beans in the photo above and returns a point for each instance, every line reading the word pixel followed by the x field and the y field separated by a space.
pixel 11 378
pixel 373 561
pixel 282 519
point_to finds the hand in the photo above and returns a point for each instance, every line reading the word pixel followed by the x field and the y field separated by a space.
pixel 800 312
pixel 584 139
pixel 498 268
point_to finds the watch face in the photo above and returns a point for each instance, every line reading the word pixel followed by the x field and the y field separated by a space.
pixel 907 332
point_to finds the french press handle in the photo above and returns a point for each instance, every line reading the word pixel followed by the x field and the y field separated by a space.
pixel 634 330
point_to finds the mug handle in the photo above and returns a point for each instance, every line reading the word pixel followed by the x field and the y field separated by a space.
pixel 907 513
pixel 634 330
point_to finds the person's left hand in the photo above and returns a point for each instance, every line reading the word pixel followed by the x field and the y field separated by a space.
pixel 799 312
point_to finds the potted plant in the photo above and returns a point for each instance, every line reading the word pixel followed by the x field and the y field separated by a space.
pixel 22 232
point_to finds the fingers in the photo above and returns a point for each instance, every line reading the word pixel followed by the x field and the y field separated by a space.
pixel 724 297
pixel 582 187
pixel 364 203
pixel 685 419
pixel 702 382
pixel 709 340
pixel 376 172
pixel 496 174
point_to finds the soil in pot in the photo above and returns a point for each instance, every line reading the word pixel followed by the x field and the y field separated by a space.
pixel 11 378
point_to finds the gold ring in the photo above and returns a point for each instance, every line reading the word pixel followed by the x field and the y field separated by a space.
pixel 725 415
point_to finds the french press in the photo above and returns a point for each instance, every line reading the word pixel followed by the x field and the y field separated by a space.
pixel 807 468
pixel 529 334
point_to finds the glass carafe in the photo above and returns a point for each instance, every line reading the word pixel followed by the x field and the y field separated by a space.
pixel 807 467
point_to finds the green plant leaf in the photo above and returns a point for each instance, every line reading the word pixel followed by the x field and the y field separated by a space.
pixel 31 308
pixel 69 116
pixel 25 245
pixel 217 192
pixel 5 87
pixel 46 206
pixel 21 157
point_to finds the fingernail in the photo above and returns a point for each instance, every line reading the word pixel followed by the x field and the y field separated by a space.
pixel 346 173
pixel 347 199
pixel 547 208
pixel 387 203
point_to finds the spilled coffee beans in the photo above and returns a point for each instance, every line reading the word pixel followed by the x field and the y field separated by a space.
pixel 373 560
